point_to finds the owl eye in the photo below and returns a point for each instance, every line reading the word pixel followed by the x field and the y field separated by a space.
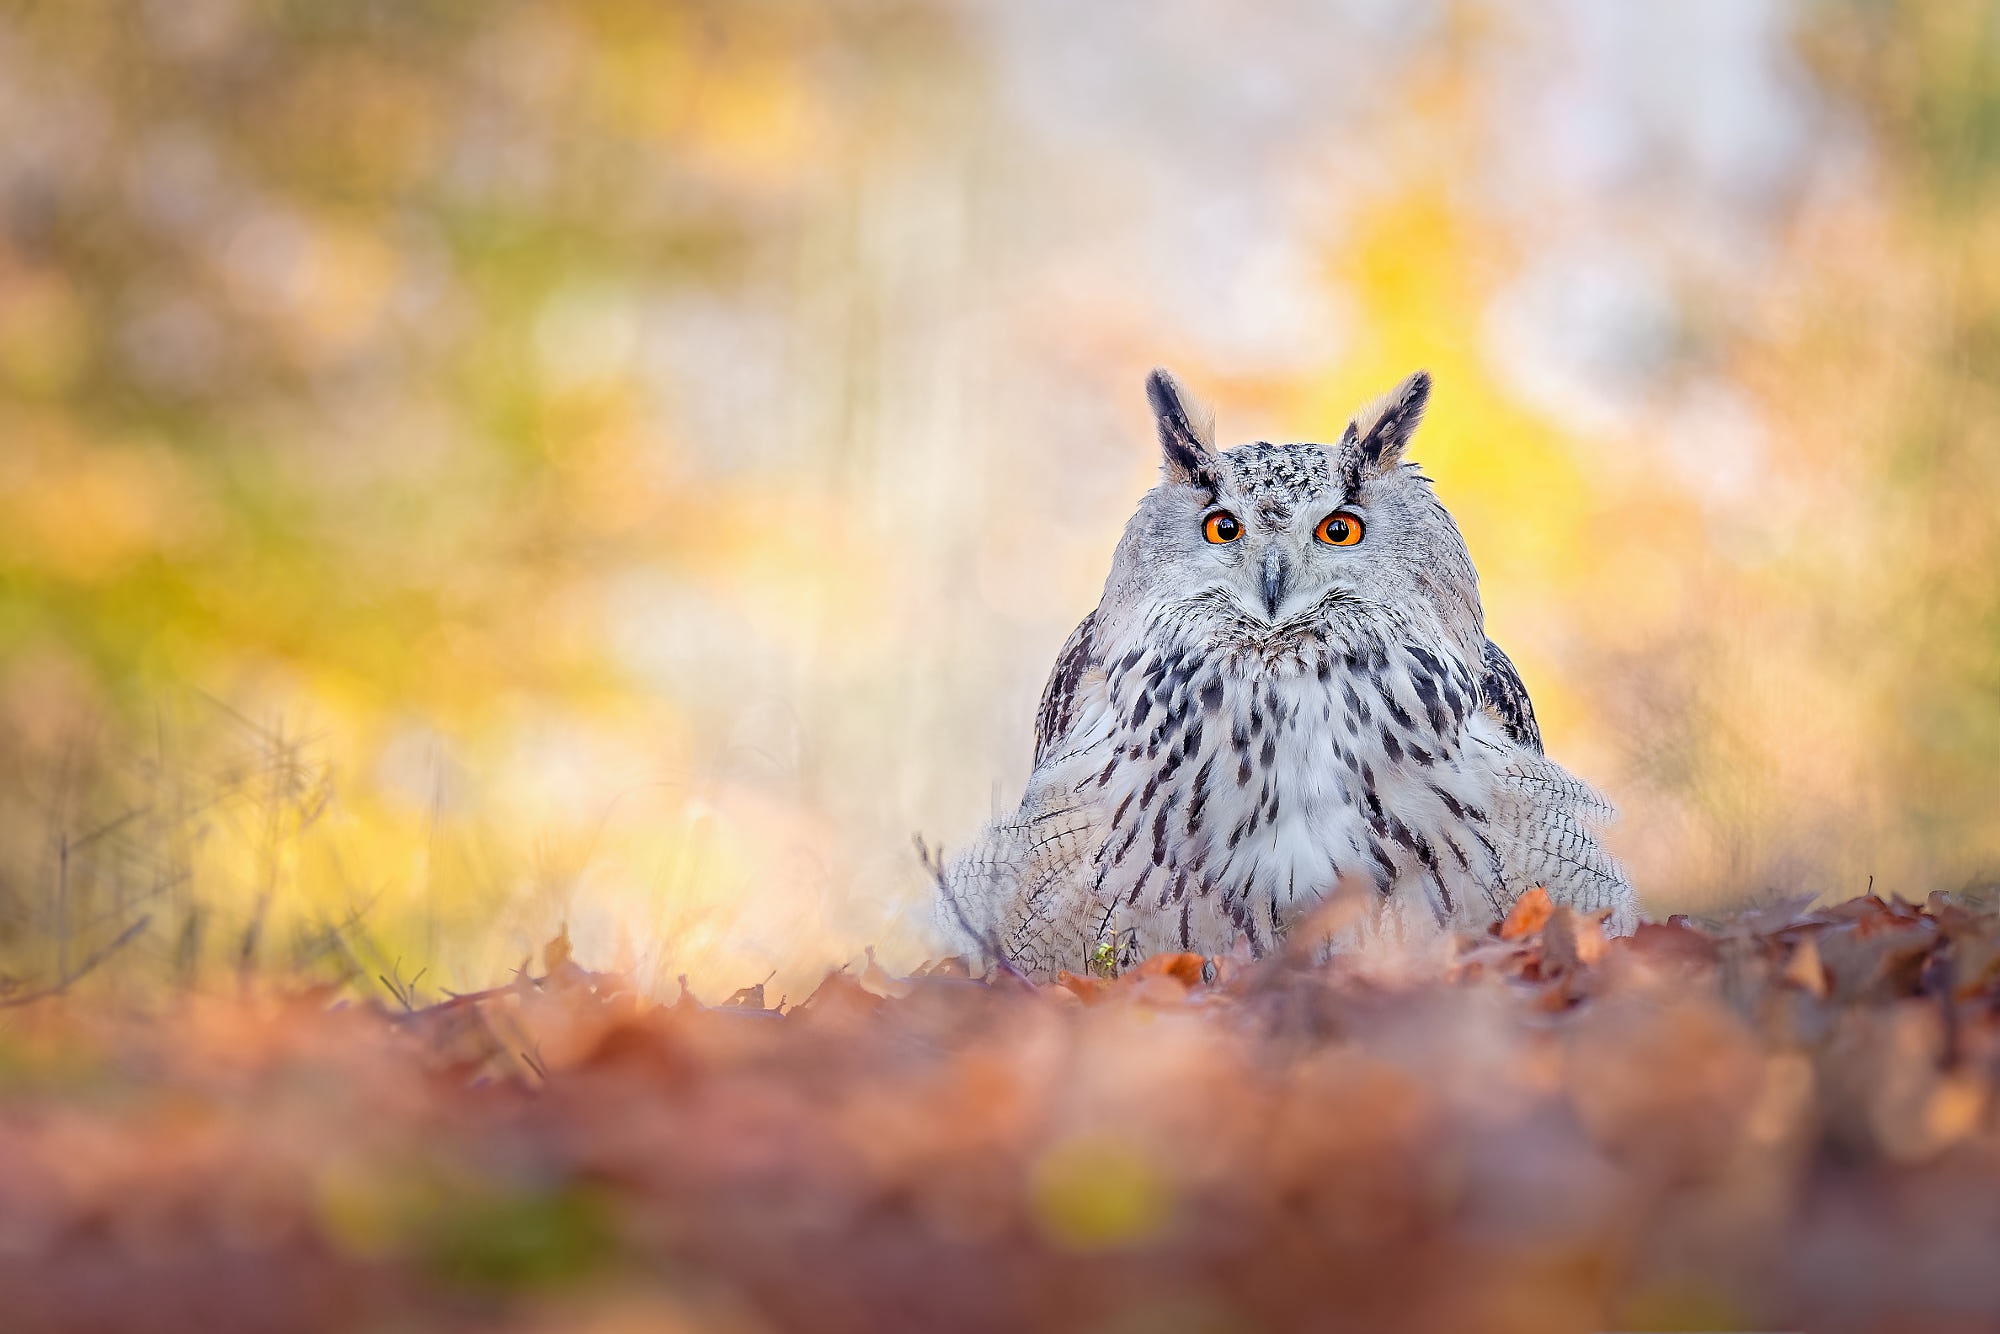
pixel 1339 529
pixel 1221 527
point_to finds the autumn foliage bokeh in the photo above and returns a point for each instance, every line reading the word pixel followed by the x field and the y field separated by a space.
pixel 468 470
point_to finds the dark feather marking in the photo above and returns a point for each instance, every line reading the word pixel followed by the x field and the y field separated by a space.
pixel 1433 705
pixel 1187 458
pixel 1451 803
pixel 1403 836
pixel 1428 856
pixel 1160 829
pixel 1118 857
pixel 1500 689
pixel 1199 801
pixel 1058 707
pixel 1392 430
pixel 1349 453
pixel 1396 710
pixel 1492 853
pixel 1385 868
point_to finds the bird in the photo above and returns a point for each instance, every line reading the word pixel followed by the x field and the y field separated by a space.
pixel 1285 694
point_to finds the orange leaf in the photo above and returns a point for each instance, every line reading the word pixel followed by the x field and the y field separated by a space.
pixel 1185 968
pixel 1528 916
pixel 1086 989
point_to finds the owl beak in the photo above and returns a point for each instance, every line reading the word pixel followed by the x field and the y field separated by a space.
pixel 1277 574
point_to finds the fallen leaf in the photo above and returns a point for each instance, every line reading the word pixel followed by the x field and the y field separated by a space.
pixel 1804 970
pixel 1186 968
pixel 557 952
pixel 1530 913
pixel 1089 990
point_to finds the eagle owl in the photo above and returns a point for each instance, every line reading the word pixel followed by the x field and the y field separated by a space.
pixel 1287 688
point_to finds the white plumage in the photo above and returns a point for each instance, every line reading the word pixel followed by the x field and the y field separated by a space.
pixel 1286 689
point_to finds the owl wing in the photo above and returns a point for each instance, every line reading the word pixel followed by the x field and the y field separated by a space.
pixel 1500 689
pixel 1546 817
pixel 1076 665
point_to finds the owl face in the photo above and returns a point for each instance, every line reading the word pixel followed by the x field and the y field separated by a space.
pixel 1276 534
pixel 1287 536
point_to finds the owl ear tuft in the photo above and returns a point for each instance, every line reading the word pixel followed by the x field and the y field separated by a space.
pixel 1186 433
pixel 1374 441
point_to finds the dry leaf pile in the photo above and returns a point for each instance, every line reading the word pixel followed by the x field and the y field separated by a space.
pixel 1782 1121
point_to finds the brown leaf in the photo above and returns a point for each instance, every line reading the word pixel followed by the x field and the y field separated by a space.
pixel 1878 958
pixel 557 952
pixel 1570 941
pixel 1976 963
pixel 840 998
pixel 746 998
pixel 1670 942
pixel 1804 969
pixel 877 979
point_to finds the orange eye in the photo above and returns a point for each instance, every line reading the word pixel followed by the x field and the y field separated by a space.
pixel 1221 527
pixel 1338 529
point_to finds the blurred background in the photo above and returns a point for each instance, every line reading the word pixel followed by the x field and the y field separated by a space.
pixel 471 468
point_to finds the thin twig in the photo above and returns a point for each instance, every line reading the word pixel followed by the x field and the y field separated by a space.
pixel 534 1062
pixel 124 938
pixel 934 865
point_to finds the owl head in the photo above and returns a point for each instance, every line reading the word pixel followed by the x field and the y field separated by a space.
pixel 1293 535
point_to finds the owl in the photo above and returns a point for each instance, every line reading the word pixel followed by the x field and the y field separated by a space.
pixel 1285 691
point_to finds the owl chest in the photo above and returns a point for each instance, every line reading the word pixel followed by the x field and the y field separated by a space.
pixel 1262 790
pixel 1289 790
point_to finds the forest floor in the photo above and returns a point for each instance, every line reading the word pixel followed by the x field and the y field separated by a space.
pixel 1783 1120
